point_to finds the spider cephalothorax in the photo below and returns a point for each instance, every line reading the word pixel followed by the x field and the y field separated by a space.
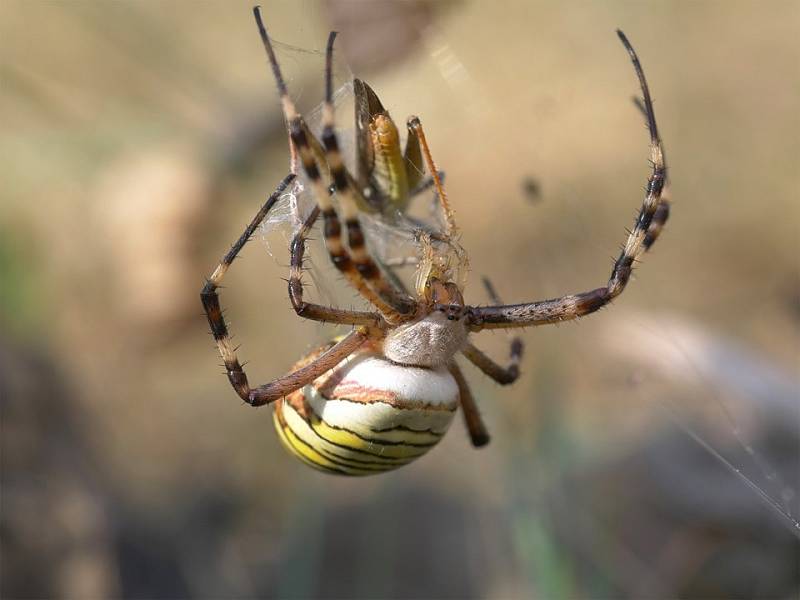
pixel 385 393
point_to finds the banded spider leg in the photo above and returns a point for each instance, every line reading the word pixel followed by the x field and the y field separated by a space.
pixel 283 385
pixel 577 305
pixel 478 432
pixel 353 261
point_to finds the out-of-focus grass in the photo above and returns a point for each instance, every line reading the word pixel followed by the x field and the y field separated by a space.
pixel 20 292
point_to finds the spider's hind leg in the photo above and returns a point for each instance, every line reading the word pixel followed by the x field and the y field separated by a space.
pixel 478 434
pixel 502 375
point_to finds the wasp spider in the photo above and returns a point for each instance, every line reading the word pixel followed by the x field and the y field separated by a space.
pixel 386 392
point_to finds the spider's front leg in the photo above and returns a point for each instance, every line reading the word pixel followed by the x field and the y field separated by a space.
pixel 219 329
pixel 352 260
pixel 317 312
pixel 652 216
pixel 404 307
pixel 662 212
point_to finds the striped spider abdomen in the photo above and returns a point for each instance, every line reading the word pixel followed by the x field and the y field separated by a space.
pixel 367 415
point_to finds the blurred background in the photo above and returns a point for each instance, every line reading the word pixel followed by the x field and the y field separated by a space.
pixel 649 451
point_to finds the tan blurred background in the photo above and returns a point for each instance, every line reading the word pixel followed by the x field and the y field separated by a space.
pixel 139 138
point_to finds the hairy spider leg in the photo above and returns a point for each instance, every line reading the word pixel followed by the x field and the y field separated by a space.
pixel 280 387
pixel 365 266
pixel 662 212
pixel 308 310
pixel 478 434
pixel 578 305
pixel 502 375
pixel 332 226
pixel 219 329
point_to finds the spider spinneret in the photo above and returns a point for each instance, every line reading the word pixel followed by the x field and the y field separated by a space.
pixel 385 393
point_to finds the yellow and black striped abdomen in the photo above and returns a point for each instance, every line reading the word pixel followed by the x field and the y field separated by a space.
pixel 368 415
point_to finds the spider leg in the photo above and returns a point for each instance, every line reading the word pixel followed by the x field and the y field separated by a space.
pixel 478 434
pixel 659 220
pixel 280 387
pixel 391 311
pixel 578 305
pixel 510 373
pixel 502 375
pixel 210 299
pixel 345 192
pixel 308 310
pixel 662 212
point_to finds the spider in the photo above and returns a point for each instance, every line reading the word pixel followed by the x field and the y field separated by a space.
pixel 386 392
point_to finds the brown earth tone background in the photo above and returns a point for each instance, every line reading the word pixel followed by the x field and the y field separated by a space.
pixel 139 138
